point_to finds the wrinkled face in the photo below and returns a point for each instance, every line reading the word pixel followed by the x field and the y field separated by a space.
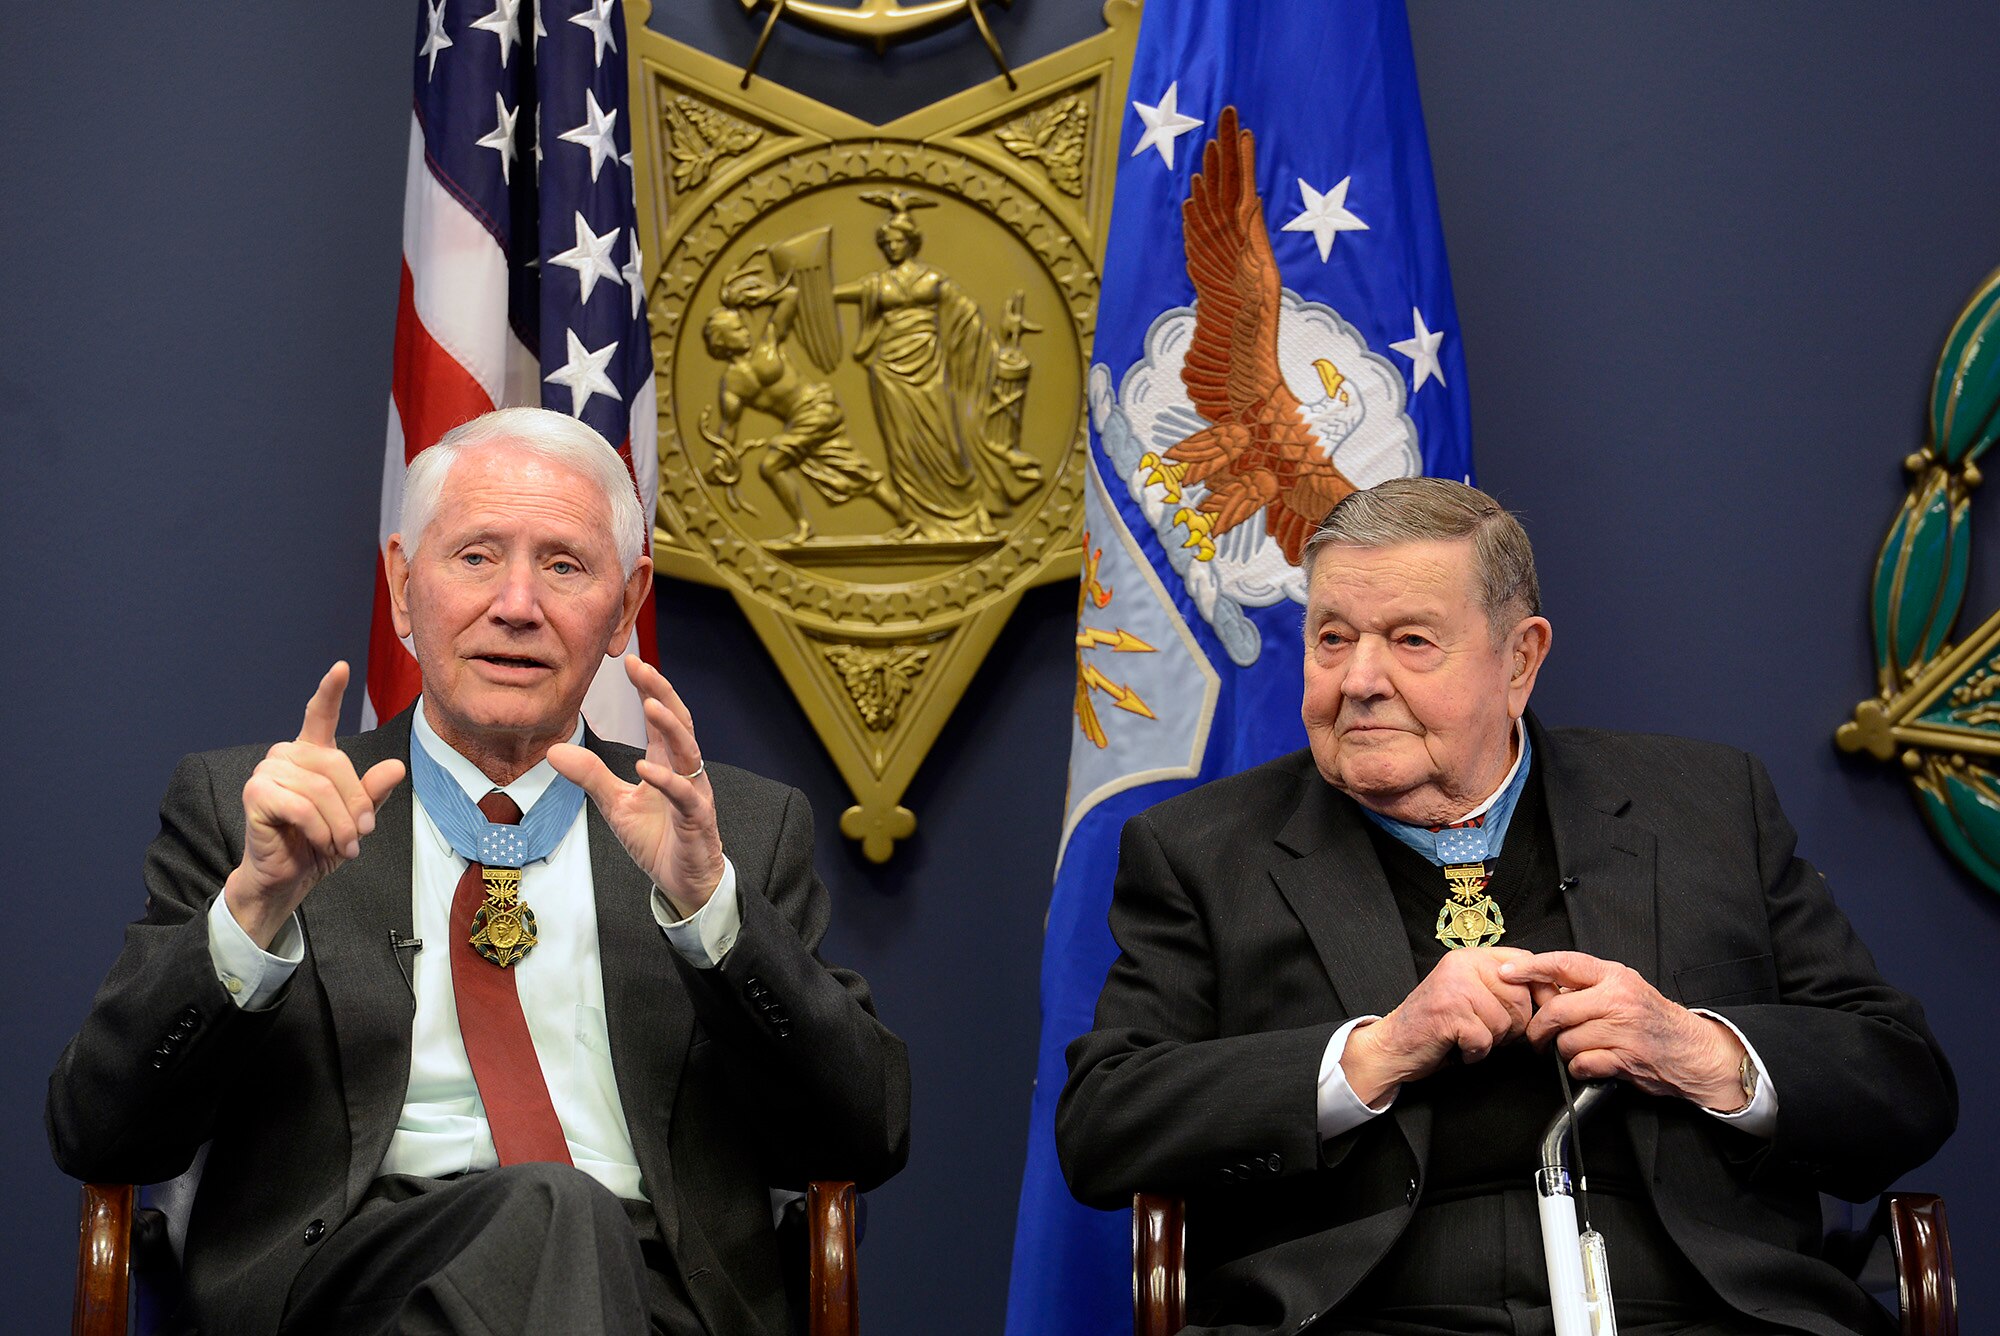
pixel 512 599
pixel 1409 701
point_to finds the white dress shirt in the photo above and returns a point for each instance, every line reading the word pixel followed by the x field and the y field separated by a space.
pixel 442 1129
pixel 1341 1110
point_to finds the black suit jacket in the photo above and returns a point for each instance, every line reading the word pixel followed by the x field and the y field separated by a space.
pixel 769 1071
pixel 1253 918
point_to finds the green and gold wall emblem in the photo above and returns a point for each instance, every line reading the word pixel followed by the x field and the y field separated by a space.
pixel 870 345
pixel 1936 706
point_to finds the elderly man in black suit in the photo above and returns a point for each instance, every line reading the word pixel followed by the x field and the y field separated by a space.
pixel 1346 977
pixel 523 1045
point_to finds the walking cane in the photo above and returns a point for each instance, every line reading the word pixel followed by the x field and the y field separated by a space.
pixel 1579 1279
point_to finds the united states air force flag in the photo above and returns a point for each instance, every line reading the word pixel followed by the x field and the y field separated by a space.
pixel 1276 329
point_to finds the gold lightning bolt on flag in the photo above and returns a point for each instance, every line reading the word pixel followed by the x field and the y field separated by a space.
pixel 1093 593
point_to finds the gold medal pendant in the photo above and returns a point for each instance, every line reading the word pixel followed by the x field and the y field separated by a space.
pixel 1469 916
pixel 503 929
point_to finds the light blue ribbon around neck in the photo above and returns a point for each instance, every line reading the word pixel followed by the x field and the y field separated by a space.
pixel 1463 844
pixel 474 838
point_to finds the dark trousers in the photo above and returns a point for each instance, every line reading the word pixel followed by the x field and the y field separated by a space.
pixel 529 1248
pixel 1475 1267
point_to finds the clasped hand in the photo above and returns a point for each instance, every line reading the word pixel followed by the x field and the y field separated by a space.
pixel 1604 1018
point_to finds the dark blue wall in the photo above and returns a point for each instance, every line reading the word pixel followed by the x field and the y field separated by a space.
pixel 1705 254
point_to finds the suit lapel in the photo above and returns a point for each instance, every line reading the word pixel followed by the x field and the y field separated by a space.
pixel 1335 885
pixel 1608 865
pixel 647 1013
pixel 348 918
pixel 1606 860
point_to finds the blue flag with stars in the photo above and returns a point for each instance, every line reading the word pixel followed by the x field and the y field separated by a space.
pixel 1276 330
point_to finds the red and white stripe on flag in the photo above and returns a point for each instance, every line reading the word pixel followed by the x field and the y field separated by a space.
pixel 482 288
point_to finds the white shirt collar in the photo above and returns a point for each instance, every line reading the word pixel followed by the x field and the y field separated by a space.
pixel 524 791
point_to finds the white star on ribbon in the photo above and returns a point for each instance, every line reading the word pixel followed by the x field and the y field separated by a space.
pixel 1422 350
pixel 501 138
pixel 595 133
pixel 597 22
pixel 1325 216
pixel 436 41
pixel 1164 124
pixel 583 375
pixel 590 257
pixel 634 281
pixel 535 38
pixel 501 24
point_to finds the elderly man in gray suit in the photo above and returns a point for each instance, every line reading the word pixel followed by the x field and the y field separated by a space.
pixel 524 1044
pixel 1347 977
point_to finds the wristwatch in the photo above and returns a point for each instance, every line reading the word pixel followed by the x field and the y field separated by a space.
pixel 1748 1073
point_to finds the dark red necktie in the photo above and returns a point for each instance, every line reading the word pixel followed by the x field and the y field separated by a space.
pixel 518 1110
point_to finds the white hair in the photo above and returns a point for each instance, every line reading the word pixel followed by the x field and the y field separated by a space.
pixel 556 438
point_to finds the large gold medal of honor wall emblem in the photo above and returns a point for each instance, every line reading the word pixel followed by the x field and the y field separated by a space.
pixel 870 345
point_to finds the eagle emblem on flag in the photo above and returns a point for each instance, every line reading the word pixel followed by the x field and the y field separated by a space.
pixel 1253 412
pixel 1260 453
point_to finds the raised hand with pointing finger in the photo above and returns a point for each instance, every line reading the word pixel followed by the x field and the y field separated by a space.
pixel 313 1047
pixel 666 821
pixel 305 812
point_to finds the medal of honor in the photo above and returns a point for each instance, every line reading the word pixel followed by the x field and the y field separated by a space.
pixel 1469 916
pixel 503 929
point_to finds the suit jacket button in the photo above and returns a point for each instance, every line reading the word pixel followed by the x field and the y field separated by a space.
pixel 315 1232
pixel 1410 1197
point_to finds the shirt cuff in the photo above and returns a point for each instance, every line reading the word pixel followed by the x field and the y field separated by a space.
pixel 251 975
pixel 1760 1117
pixel 705 936
pixel 1340 1109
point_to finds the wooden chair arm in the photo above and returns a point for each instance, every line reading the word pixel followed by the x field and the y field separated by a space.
pixel 833 1288
pixel 1917 1231
pixel 1159 1265
pixel 103 1261
pixel 1924 1277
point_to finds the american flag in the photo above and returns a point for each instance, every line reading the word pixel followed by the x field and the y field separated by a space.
pixel 521 268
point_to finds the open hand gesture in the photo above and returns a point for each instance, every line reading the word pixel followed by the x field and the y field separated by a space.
pixel 666 821
pixel 305 811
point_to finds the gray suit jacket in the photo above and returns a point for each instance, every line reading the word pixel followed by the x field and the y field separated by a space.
pixel 769 1071
pixel 1253 919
